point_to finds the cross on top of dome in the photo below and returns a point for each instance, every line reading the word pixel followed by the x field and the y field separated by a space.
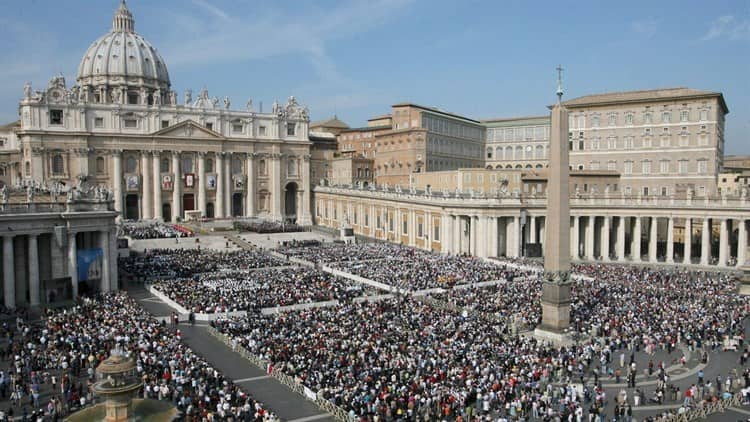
pixel 123 20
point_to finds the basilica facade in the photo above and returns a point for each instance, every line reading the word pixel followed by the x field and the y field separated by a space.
pixel 122 126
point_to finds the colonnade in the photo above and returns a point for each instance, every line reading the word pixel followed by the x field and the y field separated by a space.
pixel 27 283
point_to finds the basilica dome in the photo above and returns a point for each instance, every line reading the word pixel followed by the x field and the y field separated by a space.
pixel 124 59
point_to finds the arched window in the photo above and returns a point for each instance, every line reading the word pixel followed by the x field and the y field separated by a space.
pixel 164 166
pixel 100 165
pixel 58 165
pixel 131 165
pixel 519 153
pixel 489 152
pixel 209 166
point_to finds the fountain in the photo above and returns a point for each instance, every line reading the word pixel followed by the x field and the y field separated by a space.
pixel 118 383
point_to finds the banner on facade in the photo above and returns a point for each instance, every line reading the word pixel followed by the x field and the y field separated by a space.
pixel 167 182
pixel 131 182
pixel 189 180
pixel 90 264
pixel 211 181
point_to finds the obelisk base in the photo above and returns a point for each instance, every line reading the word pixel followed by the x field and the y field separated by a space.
pixel 744 287
pixel 555 309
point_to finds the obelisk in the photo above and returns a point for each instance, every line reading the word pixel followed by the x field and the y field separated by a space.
pixel 556 285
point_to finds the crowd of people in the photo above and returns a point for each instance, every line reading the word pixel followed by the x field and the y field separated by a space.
pixel 154 230
pixel 340 252
pixel 413 359
pixel 230 291
pixel 162 264
pixel 267 227
pixel 65 348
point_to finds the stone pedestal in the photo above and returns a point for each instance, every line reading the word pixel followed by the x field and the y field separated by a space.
pixel 555 307
pixel 744 287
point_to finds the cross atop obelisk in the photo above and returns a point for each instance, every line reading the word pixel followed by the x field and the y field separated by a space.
pixel 559 83
pixel 556 286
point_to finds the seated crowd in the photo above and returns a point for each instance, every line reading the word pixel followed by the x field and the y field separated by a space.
pixel 153 230
pixel 156 264
pixel 267 227
pixel 338 252
pixel 67 346
pixel 229 291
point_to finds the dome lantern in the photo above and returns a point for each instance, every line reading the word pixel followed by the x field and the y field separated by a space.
pixel 123 20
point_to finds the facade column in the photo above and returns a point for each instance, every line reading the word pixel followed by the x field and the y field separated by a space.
pixel 278 190
pixel 412 228
pixel 228 185
pixel 482 232
pixel 620 244
pixel 670 240
pixel 605 237
pixel 723 243
pixel 688 242
pixel 444 232
pixel 33 270
pixel 513 238
pixel 113 278
pixel 117 180
pixel 202 183
pixel 493 236
pixel 574 242
pixel 147 205
pixel 157 185
pixel 219 191
pixel 636 244
pixel 176 187
pixel 741 242
pixel 705 242
pixel 104 243
pixel 474 221
pixel 652 237
pixel 532 229
pixel 250 194
pixel 73 262
pixel 306 218
pixel 589 241
pixel 9 273
pixel 373 220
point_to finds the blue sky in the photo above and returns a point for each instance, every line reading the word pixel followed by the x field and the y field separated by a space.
pixel 355 58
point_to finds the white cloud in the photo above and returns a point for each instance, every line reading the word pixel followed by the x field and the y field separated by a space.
pixel 646 27
pixel 212 9
pixel 728 27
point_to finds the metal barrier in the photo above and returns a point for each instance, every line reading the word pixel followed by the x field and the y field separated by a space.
pixel 292 383
pixel 703 411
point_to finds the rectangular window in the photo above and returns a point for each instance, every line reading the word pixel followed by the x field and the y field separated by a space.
pixel 704 115
pixel 55 117
pixel 612 165
pixel 612 120
pixel 629 119
pixel 237 128
pixel 703 140
pixel 420 232
pixel 628 169
pixel 367 220
pixel 684 116
pixel 132 98
pixel 666 117
pixel 164 124
pixel 404 226
pixel 684 141
pixel 210 126
pixel 647 167
pixel 664 167
pixel 99 122
pixel 683 166
pixel 702 167
pixel 645 191
pixel 131 123
pixel 436 233
pixel 647 118
pixel 291 129
pixel 664 191
pixel 261 131
pixel 665 142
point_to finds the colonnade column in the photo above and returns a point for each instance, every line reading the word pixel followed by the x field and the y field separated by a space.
pixel 532 229
pixel 202 183
pixel 157 185
pixel 444 229
pixel 514 237
pixel 250 194
pixel 493 236
pixel 412 228
pixel 33 270
pixel 687 241
pixel 705 242
pixel 117 179
pixel 574 249
pixel 482 229
pixel 9 272
pixel 723 243
pixel 147 205
pixel 219 203
pixel 741 243
pixel 636 244
pixel 670 241
pixel 104 287
pixel 605 237
pixel 589 241
pixel 113 278
pixel 227 191
pixel 73 262
pixel 456 248
pixel 620 244
pixel 653 233
pixel 176 187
